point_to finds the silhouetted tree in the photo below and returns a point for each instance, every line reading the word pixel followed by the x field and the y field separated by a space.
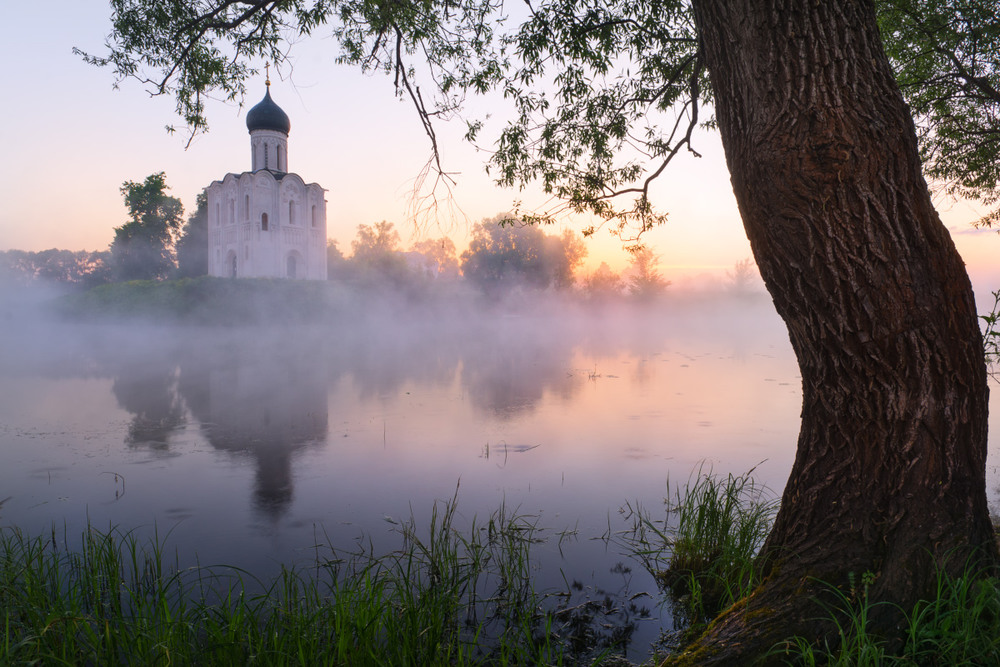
pixel 742 276
pixel 192 246
pixel 440 258
pixel 603 284
pixel 335 263
pixel 505 254
pixel 143 246
pixel 643 278
pixel 376 254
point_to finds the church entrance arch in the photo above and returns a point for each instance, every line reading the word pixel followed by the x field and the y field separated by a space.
pixel 294 265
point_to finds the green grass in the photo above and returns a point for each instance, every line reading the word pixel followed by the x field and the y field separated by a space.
pixel 207 300
pixel 702 551
pixel 959 626
pixel 443 598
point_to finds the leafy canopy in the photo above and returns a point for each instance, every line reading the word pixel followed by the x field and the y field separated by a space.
pixel 946 54
pixel 143 246
pixel 604 93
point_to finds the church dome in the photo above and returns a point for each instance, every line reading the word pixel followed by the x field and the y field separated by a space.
pixel 267 115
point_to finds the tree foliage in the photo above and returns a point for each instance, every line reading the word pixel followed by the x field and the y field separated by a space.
pixel 439 257
pixel 507 254
pixel 192 245
pixel 603 284
pixel 143 246
pixel 644 280
pixel 81 267
pixel 377 254
pixel 946 54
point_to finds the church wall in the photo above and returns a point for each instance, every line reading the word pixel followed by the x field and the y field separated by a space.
pixel 296 226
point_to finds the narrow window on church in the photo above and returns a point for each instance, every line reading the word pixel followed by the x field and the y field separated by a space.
pixel 280 159
pixel 263 222
pixel 265 156
pixel 246 207
pixel 291 213
pixel 314 215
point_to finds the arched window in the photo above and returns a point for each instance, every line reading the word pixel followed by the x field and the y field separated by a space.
pixel 281 161
pixel 291 266
pixel 232 273
pixel 291 213
pixel 263 222
pixel 246 207
pixel 314 215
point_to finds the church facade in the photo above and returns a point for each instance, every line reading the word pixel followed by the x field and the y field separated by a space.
pixel 267 222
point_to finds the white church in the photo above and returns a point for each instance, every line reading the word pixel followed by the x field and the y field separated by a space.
pixel 266 222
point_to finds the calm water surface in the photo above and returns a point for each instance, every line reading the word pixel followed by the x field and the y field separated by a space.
pixel 249 446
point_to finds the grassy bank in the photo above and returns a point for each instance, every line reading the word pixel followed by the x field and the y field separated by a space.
pixel 206 300
pixel 443 597
pixel 703 550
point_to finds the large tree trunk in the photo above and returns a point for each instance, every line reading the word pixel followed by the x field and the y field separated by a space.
pixel 889 477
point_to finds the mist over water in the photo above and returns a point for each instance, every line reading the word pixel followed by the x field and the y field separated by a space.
pixel 250 445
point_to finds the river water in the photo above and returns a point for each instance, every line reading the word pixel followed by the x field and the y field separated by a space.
pixel 249 446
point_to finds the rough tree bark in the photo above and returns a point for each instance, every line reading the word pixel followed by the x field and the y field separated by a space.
pixel 889 477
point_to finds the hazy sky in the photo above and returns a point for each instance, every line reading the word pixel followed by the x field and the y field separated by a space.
pixel 70 140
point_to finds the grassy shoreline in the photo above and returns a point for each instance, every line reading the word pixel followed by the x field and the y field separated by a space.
pixel 444 597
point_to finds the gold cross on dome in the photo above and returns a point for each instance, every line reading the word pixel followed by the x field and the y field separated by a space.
pixel 267 74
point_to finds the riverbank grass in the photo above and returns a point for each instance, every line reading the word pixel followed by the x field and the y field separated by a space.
pixel 443 598
pixel 702 549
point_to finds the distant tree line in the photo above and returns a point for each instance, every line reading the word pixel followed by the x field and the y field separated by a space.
pixel 505 255
pixel 81 267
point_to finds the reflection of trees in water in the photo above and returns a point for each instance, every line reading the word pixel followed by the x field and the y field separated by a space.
pixel 380 360
pixel 149 393
pixel 505 364
pixel 508 371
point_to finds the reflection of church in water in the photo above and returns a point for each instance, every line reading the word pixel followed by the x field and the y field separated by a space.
pixel 263 405
pixel 266 222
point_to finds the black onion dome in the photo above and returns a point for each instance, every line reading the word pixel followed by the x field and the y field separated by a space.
pixel 267 115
